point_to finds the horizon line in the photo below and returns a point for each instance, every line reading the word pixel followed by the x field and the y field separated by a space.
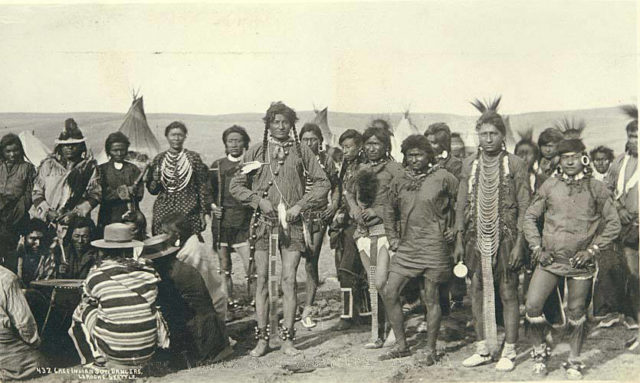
pixel 311 110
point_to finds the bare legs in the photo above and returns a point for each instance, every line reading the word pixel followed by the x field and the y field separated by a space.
pixel 224 256
pixel 395 284
pixel 290 261
pixel 380 280
pixel 311 267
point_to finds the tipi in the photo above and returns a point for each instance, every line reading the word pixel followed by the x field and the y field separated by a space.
pixel 322 121
pixel 402 130
pixel 143 142
pixel 34 150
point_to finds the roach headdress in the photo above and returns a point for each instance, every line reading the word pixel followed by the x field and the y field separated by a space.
pixel 526 135
pixel 526 138
pixel 572 130
pixel 632 112
pixel 490 114
pixel 367 184
pixel 71 134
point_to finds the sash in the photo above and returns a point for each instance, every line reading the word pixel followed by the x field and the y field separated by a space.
pixel 621 187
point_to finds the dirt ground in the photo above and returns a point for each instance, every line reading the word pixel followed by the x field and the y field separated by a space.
pixel 332 356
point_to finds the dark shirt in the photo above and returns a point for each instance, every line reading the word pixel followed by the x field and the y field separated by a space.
pixel 78 266
pixel 186 305
pixel 112 207
pixel 235 215
pixel 16 185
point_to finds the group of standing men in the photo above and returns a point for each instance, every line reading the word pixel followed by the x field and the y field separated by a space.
pixel 391 225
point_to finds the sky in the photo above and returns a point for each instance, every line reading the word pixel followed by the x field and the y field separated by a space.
pixel 367 57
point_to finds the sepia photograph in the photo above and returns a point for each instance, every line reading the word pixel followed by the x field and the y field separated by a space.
pixel 319 191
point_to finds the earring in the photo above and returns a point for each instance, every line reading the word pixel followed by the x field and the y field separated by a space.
pixel 585 160
pixel 504 147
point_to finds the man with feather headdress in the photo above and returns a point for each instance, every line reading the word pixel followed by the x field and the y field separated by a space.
pixel 623 180
pixel 580 223
pixel 492 198
pixel 67 182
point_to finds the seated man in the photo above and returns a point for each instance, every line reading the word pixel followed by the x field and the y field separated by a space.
pixel 76 257
pixel 19 357
pixel 34 259
pixel 117 322
pixel 198 333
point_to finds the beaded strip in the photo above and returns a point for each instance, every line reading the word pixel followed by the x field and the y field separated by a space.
pixel 488 174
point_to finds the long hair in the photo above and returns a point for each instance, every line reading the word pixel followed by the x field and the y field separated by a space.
pixel 290 115
pixel 8 140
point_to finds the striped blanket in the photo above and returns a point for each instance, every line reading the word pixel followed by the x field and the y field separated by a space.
pixel 117 318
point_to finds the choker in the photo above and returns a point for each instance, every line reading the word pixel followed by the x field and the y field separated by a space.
pixel 234 159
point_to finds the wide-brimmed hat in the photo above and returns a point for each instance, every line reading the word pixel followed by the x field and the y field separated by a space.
pixel 71 134
pixel 158 246
pixel 117 236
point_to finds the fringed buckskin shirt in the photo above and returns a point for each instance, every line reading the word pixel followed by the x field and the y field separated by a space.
pixel 59 188
pixel 577 215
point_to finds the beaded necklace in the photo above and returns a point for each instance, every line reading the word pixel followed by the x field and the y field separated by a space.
pixel 488 173
pixel 176 171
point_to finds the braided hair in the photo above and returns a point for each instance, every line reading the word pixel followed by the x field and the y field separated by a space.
pixel 290 115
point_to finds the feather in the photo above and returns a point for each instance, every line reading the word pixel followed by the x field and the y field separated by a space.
pixel 487 106
pixel 631 111
pixel 248 167
pixel 571 128
pixel 282 215
pixel 367 183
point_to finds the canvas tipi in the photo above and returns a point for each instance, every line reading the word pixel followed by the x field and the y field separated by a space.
pixel 402 130
pixel 321 119
pixel 34 150
pixel 143 142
